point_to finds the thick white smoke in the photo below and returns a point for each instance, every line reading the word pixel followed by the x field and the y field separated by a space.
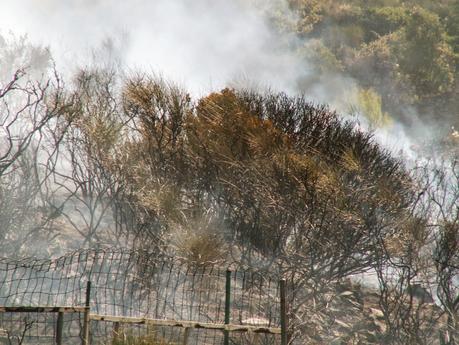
pixel 202 45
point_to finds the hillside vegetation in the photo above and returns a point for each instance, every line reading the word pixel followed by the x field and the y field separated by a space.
pixel 267 180
pixel 404 52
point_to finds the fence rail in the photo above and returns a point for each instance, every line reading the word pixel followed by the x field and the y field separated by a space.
pixel 186 324
pixel 27 309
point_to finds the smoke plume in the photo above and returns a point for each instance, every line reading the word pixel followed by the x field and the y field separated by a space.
pixel 202 45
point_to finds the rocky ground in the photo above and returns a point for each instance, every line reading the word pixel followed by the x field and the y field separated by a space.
pixel 350 313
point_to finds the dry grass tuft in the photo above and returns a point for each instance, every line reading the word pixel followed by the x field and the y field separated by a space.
pixel 130 339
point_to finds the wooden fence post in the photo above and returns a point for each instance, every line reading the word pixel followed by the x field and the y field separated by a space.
pixel 115 332
pixel 186 335
pixel 59 327
pixel 86 319
pixel 283 311
pixel 227 305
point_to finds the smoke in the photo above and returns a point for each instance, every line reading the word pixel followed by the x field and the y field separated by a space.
pixel 202 45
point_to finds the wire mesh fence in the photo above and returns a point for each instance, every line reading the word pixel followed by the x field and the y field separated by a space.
pixel 135 284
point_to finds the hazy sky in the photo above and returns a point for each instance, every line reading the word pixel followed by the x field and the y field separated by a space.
pixel 202 44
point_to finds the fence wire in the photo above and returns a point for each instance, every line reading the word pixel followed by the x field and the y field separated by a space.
pixel 132 283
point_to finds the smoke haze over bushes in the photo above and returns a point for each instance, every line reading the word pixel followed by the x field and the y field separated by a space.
pixel 116 155
pixel 203 45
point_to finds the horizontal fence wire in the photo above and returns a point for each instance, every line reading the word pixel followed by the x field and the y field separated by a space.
pixel 39 328
pixel 130 283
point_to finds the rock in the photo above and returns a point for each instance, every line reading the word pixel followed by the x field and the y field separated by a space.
pixel 346 293
pixel 376 313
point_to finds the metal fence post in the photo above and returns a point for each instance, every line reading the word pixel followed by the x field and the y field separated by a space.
pixel 59 327
pixel 86 319
pixel 283 311
pixel 227 305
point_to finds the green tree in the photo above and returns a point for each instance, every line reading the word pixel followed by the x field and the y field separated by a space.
pixel 380 21
pixel 452 25
pixel 425 57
